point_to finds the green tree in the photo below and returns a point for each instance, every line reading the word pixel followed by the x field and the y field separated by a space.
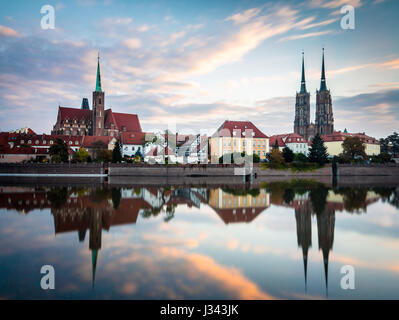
pixel 256 158
pixel 318 151
pixel 353 149
pixel 288 155
pixel 117 153
pixel 59 148
pixel 81 155
pixel 300 157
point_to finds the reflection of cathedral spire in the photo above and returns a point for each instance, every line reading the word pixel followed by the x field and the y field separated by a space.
pixel 94 254
pixel 95 239
pixel 304 233
pixel 325 227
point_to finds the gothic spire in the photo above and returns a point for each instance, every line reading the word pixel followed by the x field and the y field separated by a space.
pixel 98 82
pixel 323 86
pixel 303 82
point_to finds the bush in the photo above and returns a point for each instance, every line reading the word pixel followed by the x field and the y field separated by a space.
pixel 300 157
pixel 288 155
pixel 56 158
pixel 381 158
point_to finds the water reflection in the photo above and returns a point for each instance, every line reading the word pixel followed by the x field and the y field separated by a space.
pixel 90 210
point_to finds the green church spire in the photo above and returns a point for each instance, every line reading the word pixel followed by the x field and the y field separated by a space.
pixel 323 86
pixel 98 82
pixel 303 82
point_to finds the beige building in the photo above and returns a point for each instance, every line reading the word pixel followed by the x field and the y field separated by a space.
pixel 334 141
pixel 238 136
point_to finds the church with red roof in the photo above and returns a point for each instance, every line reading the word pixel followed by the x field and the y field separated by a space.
pixel 97 121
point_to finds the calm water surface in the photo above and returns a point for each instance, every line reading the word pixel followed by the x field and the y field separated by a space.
pixel 284 240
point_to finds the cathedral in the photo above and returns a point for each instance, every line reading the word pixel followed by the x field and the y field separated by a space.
pixel 95 122
pixel 324 122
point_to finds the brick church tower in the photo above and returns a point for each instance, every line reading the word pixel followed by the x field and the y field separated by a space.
pixel 98 106
pixel 324 113
pixel 302 107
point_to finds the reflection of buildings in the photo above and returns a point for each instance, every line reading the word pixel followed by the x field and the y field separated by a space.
pixel 233 208
pixel 93 210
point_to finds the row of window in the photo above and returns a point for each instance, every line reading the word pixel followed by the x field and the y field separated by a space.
pixel 45 142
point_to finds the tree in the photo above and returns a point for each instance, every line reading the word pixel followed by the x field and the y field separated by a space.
pixel 104 155
pixel 60 149
pixel 81 155
pixel 275 146
pixel 353 149
pixel 288 155
pixel 117 153
pixel 276 159
pixel 256 158
pixel 98 150
pixel 318 151
pixel 300 157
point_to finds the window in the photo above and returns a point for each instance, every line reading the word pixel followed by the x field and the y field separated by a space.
pixel 29 141
pixel 99 101
pixel 22 141
pixel 37 141
pixel 44 141
pixel 51 141
pixel 70 142
pixel 76 142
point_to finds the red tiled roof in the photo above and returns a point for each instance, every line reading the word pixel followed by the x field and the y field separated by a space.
pixel 341 136
pixel 283 139
pixel 272 141
pixel 240 127
pixel 129 121
pixel 75 114
pixel 121 121
pixel 135 138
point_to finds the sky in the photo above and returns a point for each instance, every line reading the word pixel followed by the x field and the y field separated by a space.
pixel 194 64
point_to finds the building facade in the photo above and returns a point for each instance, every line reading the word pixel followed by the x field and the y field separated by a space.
pixel 238 137
pixel 333 143
pixel 96 122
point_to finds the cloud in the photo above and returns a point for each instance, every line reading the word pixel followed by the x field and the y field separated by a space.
pixel 132 43
pixel 333 4
pixel 306 35
pixel 9 32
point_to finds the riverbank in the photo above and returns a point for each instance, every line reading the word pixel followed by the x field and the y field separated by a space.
pixel 91 170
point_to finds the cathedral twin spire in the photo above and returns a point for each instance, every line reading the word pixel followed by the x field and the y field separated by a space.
pixel 323 86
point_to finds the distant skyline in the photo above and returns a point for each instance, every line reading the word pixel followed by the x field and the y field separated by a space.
pixel 200 63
